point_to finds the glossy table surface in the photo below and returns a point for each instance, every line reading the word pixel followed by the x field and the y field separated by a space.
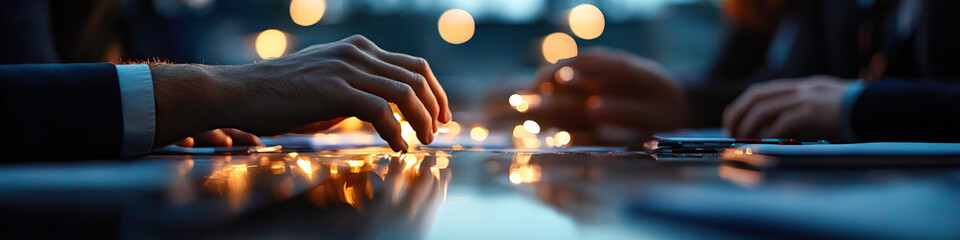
pixel 440 193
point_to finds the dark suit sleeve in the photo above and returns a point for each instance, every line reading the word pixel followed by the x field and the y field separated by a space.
pixel 900 110
pixel 62 110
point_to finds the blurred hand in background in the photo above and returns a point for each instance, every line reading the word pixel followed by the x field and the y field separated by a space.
pixel 788 108
pixel 608 89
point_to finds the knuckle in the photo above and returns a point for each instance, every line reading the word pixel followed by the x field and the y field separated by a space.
pixel 356 38
pixel 418 80
pixel 421 63
pixel 346 49
pixel 406 92
pixel 381 109
pixel 339 65
pixel 362 41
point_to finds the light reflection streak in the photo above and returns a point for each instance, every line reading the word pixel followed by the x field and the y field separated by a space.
pixel 418 179
pixel 305 165
pixel 413 184
pixel 278 167
pixel 230 181
pixel 521 171
pixel 740 176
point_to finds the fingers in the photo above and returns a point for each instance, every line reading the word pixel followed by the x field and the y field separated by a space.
pixel 735 112
pixel 186 142
pixel 420 66
pixel 789 124
pixel 402 95
pixel 212 138
pixel 376 111
pixel 414 64
pixel 417 82
pixel 241 138
pixel 762 114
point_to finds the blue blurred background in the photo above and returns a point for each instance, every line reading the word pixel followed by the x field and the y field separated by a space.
pixel 504 50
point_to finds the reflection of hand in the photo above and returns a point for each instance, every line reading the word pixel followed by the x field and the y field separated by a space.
pixel 788 108
pixel 351 77
pixel 403 205
pixel 612 87
pixel 411 194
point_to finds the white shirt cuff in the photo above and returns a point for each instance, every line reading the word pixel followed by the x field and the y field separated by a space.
pixel 139 111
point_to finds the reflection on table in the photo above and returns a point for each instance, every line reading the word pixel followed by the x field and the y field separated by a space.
pixel 468 193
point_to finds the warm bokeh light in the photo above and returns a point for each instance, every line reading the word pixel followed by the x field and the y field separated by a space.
pixel 519 132
pixel 456 26
pixel 565 74
pixel 523 107
pixel 408 134
pixel 546 88
pixel 443 161
pixel 515 100
pixel 307 12
pixel 531 126
pixel 562 138
pixel 271 43
pixel 740 176
pixel 594 102
pixel 278 167
pixel 351 124
pixel 558 46
pixel 355 165
pixel 586 21
pixel 478 133
pixel 515 178
pixel 452 128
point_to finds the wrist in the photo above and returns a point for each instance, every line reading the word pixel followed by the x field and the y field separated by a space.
pixel 189 99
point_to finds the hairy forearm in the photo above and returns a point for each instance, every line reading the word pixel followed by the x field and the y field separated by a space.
pixel 189 99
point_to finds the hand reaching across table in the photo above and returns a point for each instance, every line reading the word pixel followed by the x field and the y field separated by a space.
pixel 313 87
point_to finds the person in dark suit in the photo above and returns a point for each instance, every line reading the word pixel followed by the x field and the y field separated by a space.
pixel 846 70
pixel 91 110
